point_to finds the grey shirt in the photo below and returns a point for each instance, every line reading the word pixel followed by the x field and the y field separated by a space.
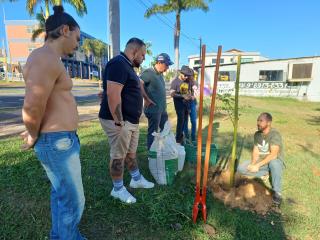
pixel 264 142
pixel 155 88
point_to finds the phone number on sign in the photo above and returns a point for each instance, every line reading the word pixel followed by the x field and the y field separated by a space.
pixel 267 85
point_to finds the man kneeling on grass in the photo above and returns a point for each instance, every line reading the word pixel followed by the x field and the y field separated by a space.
pixel 267 155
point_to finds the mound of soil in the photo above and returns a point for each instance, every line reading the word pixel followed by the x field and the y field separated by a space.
pixel 248 194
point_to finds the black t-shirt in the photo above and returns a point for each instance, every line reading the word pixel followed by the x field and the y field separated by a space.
pixel 181 88
pixel 120 70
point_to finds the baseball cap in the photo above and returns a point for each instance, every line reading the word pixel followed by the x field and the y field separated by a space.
pixel 185 70
pixel 164 58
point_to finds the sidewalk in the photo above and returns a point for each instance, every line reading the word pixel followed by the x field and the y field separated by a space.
pixel 14 126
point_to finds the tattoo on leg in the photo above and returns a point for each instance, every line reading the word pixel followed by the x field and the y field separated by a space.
pixel 131 163
pixel 116 168
pixel 118 112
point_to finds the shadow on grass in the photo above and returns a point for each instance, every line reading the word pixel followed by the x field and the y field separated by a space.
pixel 160 213
pixel 307 150
pixel 224 144
pixel 314 120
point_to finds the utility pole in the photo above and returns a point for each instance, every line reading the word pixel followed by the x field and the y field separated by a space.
pixel 4 45
pixel 5 60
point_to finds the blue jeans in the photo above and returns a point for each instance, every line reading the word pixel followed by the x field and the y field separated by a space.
pixel 275 167
pixel 182 114
pixel 155 121
pixel 193 119
pixel 58 153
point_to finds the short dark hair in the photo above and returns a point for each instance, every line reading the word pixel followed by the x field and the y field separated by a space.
pixel 56 21
pixel 135 42
pixel 267 115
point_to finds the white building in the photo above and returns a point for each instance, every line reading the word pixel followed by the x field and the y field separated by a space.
pixel 227 57
pixel 293 77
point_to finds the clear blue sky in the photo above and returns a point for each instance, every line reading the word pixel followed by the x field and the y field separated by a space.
pixel 275 28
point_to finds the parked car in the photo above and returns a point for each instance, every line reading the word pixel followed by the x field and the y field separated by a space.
pixel 94 74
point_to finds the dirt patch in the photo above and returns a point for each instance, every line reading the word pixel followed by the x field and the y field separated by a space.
pixel 210 230
pixel 248 194
pixel 315 171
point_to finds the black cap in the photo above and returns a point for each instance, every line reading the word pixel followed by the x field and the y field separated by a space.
pixel 185 70
pixel 59 18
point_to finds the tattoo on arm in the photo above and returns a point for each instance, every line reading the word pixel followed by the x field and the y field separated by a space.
pixel 131 163
pixel 116 167
pixel 118 112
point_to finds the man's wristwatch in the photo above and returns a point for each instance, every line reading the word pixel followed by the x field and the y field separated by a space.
pixel 119 124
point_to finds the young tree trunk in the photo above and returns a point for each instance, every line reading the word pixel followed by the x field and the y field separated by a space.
pixel 235 129
pixel 114 27
pixel 100 71
pixel 47 13
pixel 89 68
pixel 176 41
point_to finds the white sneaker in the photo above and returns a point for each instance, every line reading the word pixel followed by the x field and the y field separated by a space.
pixel 141 183
pixel 123 195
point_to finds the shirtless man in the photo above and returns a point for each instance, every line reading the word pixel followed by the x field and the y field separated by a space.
pixel 51 119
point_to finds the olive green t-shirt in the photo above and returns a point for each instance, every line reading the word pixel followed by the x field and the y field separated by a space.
pixel 264 142
pixel 155 88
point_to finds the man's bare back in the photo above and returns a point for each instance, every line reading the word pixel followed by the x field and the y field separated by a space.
pixel 45 76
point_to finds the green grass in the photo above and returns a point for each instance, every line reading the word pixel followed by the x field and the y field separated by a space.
pixel 24 189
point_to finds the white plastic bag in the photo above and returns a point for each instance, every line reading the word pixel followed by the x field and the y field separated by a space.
pixel 181 157
pixel 163 156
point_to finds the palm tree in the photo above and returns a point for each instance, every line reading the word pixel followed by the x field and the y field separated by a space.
pixel 79 5
pixel 96 48
pixel 114 27
pixel 88 49
pixel 148 48
pixel 41 26
pixel 32 4
pixel 177 6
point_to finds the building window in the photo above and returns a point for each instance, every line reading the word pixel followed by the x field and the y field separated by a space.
pixel 227 76
pixel 301 70
pixel 244 60
pixel 197 62
pixel 214 60
pixel 271 75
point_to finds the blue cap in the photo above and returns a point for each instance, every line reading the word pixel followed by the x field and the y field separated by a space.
pixel 164 58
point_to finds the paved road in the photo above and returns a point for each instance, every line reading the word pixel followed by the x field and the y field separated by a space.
pixel 13 97
pixel 11 101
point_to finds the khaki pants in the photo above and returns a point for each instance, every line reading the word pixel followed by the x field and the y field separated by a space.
pixel 122 140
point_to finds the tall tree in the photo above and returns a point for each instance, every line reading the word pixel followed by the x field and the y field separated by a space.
pixel 41 26
pixel 114 26
pixel 32 4
pixel 177 6
pixel 79 5
pixel 98 49
pixel 148 48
